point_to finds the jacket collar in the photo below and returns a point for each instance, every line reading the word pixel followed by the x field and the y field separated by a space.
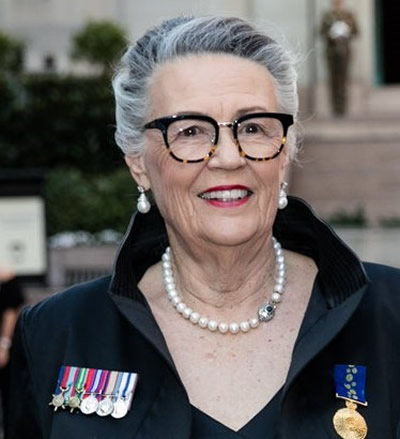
pixel 297 227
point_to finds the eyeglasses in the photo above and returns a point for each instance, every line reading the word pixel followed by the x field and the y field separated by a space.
pixel 192 138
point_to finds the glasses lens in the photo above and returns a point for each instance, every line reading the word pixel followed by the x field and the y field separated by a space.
pixel 260 137
pixel 190 139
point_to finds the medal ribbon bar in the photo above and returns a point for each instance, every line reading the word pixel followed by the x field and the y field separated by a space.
pixel 350 383
pixel 98 391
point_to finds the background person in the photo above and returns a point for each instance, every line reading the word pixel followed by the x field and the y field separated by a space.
pixel 338 28
pixel 233 311
pixel 11 300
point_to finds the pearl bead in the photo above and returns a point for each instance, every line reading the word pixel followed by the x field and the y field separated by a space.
pixel 234 328
pixel 276 297
pixel 176 300
pixel 278 288
pixel 167 272
pixel 223 328
pixel 254 322
pixel 283 202
pixel 203 322
pixel 170 287
pixel 187 312
pixel 212 325
pixel 244 326
pixel 169 280
pixel 281 273
pixel 180 307
pixel 194 317
pixel 172 294
pixel 143 206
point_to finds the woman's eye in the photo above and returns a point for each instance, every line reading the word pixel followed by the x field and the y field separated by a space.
pixel 190 131
pixel 252 129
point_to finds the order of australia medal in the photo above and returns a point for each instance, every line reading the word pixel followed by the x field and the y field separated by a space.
pixel 350 386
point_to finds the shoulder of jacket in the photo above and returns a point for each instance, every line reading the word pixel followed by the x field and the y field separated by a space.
pixel 381 271
pixel 67 304
pixel 384 282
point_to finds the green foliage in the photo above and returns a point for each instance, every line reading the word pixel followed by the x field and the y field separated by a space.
pixel 78 202
pixel 11 54
pixel 100 43
pixel 390 222
pixel 65 126
pixel 347 218
pixel 60 121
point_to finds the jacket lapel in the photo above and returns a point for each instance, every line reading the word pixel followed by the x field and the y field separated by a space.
pixel 321 334
pixel 308 396
pixel 169 414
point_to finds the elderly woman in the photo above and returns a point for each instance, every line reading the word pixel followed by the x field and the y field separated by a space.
pixel 232 311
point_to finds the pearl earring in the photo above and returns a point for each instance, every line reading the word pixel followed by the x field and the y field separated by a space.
pixel 143 204
pixel 283 201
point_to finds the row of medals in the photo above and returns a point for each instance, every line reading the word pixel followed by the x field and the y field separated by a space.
pixel 91 404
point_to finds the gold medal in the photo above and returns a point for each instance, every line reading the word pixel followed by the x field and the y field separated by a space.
pixel 349 424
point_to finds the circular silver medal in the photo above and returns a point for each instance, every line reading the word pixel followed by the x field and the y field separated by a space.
pixel 120 409
pixel 89 405
pixel 105 407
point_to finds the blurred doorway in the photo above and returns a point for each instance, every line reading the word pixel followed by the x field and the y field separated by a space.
pixel 387 47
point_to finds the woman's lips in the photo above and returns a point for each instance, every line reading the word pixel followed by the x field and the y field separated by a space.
pixel 226 196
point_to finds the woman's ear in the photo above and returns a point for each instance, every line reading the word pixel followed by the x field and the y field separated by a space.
pixel 137 169
pixel 284 161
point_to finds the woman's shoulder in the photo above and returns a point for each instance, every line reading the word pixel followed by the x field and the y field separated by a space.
pixel 384 284
pixel 382 273
pixel 74 303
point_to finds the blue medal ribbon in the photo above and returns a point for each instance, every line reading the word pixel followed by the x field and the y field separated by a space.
pixel 118 385
pixel 59 380
pixel 128 380
pixel 350 382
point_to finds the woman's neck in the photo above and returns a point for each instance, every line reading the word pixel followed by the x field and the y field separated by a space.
pixel 224 279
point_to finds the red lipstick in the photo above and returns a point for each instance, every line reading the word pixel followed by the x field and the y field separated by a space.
pixel 235 195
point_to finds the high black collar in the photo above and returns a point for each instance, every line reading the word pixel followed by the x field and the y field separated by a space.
pixel 296 227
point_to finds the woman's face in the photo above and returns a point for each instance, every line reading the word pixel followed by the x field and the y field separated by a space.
pixel 223 87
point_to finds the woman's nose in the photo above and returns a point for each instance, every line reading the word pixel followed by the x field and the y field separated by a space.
pixel 227 152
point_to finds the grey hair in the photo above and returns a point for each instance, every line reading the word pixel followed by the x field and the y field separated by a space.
pixel 183 36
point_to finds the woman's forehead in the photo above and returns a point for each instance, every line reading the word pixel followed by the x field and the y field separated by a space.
pixel 210 80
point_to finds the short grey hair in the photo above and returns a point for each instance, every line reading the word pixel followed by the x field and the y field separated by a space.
pixel 184 36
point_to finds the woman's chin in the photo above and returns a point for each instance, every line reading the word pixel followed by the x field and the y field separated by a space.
pixel 231 236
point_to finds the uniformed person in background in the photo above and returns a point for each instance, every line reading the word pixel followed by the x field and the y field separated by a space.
pixel 338 28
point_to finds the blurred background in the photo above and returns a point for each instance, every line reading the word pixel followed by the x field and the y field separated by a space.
pixel 65 195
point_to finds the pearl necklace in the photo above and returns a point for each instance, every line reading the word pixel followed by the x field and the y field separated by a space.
pixel 265 313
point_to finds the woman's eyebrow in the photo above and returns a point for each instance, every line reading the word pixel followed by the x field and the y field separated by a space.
pixel 247 110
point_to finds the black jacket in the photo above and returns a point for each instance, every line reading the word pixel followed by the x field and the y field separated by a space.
pixel 107 324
